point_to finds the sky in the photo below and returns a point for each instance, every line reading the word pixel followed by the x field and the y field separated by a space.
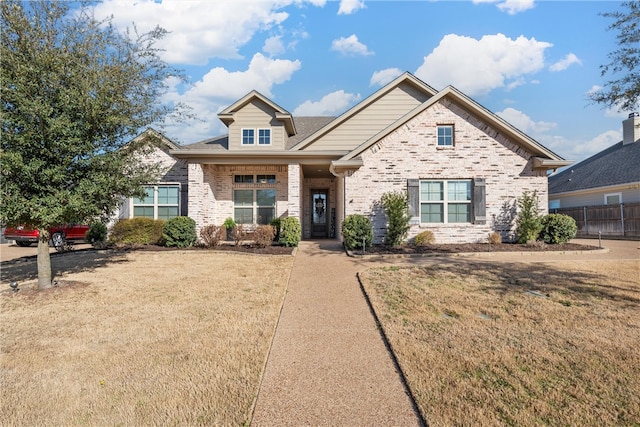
pixel 531 62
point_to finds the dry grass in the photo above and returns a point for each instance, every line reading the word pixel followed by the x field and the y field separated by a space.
pixel 145 338
pixel 515 344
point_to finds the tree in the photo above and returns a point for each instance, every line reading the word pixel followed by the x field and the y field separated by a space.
pixel 623 91
pixel 528 220
pixel 74 93
pixel 396 207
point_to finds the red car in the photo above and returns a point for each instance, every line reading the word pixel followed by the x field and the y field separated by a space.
pixel 59 235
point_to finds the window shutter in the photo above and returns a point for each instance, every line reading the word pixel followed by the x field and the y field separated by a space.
pixel 479 201
pixel 413 193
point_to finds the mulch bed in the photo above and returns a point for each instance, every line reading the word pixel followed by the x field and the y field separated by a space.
pixel 473 247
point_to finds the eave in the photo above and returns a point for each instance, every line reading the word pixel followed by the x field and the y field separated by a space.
pixel 257 156
pixel 543 163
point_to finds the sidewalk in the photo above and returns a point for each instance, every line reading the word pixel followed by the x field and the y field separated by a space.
pixel 328 364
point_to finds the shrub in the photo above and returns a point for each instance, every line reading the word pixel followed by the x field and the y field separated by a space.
pixel 229 223
pixel 238 234
pixel 136 232
pixel 528 221
pixel 396 207
pixel 425 238
pixel 558 229
pixel 211 235
pixel 290 231
pixel 275 222
pixel 179 232
pixel 356 229
pixel 263 235
pixel 495 238
pixel 97 235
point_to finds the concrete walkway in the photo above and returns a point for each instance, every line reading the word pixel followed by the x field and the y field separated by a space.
pixel 328 363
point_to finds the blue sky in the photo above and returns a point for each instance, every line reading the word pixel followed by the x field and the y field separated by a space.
pixel 531 62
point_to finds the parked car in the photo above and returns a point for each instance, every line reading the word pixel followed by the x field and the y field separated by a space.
pixel 59 235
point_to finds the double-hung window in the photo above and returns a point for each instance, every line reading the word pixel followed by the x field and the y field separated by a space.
pixel 445 201
pixel 254 205
pixel 160 202
pixel 445 136
pixel 253 136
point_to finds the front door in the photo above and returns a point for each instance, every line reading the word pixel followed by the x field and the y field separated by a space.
pixel 319 222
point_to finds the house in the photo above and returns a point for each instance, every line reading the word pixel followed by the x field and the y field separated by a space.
pixel 610 177
pixel 462 166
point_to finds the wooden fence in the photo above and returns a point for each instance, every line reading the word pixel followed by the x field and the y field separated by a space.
pixel 607 220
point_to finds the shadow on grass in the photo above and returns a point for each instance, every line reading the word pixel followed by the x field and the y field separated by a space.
pixel 26 268
pixel 503 277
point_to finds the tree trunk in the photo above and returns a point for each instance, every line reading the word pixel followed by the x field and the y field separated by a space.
pixel 44 261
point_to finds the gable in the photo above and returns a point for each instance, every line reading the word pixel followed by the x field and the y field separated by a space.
pixel 255 115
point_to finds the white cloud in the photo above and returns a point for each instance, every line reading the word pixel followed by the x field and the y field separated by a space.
pixel 273 46
pixel 478 66
pixel 198 30
pixel 382 77
pixel 524 123
pixel 565 63
pixel 350 46
pixel 512 7
pixel 348 7
pixel 332 104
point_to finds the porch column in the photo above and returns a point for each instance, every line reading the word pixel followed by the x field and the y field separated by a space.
pixel 294 190
pixel 195 195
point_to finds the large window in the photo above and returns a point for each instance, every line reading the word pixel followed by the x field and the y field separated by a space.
pixel 445 201
pixel 445 136
pixel 254 206
pixel 159 202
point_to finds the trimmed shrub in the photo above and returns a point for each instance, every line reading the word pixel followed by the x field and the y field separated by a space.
pixel 425 238
pixel 136 232
pixel 179 232
pixel 356 229
pixel 495 238
pixel 263 235
pixel 290 231
pixel 211 235
pixel 528 220
pixel 558 229
pixel 238 234
pixel 275 222
pixel 97 235
pixel 396 207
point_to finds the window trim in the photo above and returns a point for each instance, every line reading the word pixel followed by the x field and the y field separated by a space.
pixel 260 137
pixel 155 203
pixel 256 137
pixel 445 202
pixel 619 194
pixel 242 136
pixel 445 137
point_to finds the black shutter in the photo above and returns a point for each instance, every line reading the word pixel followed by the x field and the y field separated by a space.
pixel 413 193
pixel 479 201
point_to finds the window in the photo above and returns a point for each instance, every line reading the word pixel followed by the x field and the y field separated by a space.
pixel 613 199
pixel 248 136
pixel 254 206
pixel 159 202
pixel 445 201
pixel 243 179
pixel 445 136
pixel 266 179
pixel 264 136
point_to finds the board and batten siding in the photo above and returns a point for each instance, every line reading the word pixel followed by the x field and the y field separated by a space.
pixel 372 119
pixel 256 115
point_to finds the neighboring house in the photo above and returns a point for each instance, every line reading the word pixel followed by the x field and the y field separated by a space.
pixel 463 166
pixel 609 177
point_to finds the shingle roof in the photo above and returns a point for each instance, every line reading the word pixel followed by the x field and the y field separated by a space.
pixel 618 164
pixel 215 143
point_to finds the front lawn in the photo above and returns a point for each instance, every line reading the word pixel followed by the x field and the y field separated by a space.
pixel 515 344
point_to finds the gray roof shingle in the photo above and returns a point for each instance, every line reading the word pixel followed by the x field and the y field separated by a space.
pixel 618 164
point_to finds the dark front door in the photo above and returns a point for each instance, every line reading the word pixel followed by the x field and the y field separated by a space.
pixel 319 217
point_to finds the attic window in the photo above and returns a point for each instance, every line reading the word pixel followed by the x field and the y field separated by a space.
pixel 248 136
pixel 264 136
pixel 445 135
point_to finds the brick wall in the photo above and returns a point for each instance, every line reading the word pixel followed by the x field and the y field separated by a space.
pixel 479 152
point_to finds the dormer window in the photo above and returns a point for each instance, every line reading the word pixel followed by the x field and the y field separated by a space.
pixel 264 136
pixel 248 137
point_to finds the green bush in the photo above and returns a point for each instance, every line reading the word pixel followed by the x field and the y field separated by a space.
pixel 211 235
pixel 290 231
pixel 97 234
pixel 179 232
pixel 263 235
pixel 136 232
pixel 275 222
pixel 396 208
pixel 356 229
pixel 558 229
pixel 425 238
pixel 528 220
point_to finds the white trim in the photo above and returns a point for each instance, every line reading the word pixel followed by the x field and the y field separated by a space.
pixel 253 138
pixel 610 195
pixel 258 137
pixel 155 204
pixel 445 202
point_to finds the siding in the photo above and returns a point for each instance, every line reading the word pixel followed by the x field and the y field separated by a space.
pixel 371 120
pixel 256 115
pixel 596 198
pixel 480 152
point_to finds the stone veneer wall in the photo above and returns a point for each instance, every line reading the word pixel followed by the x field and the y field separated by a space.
pixel 411 152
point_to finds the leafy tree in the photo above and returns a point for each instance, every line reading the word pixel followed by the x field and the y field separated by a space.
pixel 528 220
pixel 396 208
pixel 74 92
pixel 623 91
